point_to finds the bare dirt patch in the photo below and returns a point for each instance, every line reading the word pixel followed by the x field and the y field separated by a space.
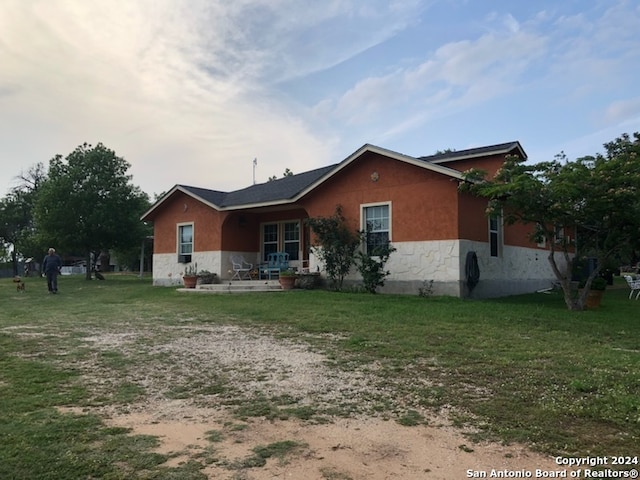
pixel 344 449
pixel 177 366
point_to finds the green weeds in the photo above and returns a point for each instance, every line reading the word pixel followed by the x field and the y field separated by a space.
pixel 517 369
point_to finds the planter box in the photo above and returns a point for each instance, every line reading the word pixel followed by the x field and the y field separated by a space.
pixel 287 282
pixel 190 281
pixel 594 297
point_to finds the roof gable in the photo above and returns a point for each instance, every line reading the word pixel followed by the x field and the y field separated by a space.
pixel 291 188
pixel 499 149
pixel 281 189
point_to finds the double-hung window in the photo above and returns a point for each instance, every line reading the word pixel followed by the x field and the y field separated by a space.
pixel 377 226
pixel 495 235
pixel 281 237
pixel 292 239
pixel 185 242
pixel 269 239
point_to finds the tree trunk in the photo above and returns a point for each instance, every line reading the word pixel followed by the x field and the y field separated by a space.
pixel 89 266
pixel 14 258
pixel 105 257
pixel 565 281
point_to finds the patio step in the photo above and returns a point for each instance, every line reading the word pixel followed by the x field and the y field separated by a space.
pixel 237 286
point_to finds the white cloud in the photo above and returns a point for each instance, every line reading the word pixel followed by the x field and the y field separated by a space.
pixel 456 75
pixel 181 89
pixel 511 23
pixel 622 111
pixel 191 91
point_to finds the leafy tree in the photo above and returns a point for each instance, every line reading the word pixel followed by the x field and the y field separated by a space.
pixel 89 205
pixel 31 180
pixel 14 219
pixel 597 197
pixel 17 227
pixel 336 245
pixel 287 173
pixel 371 265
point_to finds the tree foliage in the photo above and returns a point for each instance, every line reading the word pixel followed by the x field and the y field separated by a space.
pixel 14 220
pixel 595 197
pixel 287 173
pixel 87 204
pixel 372 265
pixel 17 226
pixel 336 245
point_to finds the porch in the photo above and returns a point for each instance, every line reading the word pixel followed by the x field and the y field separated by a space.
pixel 237 286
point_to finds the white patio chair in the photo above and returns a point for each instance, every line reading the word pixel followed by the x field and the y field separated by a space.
pixel 241 268
pixel 633 285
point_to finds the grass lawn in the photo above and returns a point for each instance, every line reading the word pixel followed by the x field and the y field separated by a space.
pixel 517 369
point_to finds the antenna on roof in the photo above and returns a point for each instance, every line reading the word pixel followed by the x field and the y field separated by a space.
pixel 255 163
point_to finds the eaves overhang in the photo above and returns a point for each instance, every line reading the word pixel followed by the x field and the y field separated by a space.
pixel 185 190
pixel 499 149
pixel 434 164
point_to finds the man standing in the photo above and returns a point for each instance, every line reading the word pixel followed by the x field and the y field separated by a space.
pixel 51 266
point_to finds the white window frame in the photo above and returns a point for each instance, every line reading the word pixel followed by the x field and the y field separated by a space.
pixel 179 243
pixel 280 241
pixel 363 218
pixel 284 238
pixel 262 239
pixel 543 242
pixel 498 232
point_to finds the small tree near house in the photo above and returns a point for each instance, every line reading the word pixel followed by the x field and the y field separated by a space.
pixel 597 197
pixel 336 244
pixel 337 247
pixel 372 265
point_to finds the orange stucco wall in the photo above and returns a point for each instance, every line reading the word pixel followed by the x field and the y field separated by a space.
pixel 180 209
pixel 424 203
pixel 242 230
pixel 489 164
pixel 425 206
pixel 473 224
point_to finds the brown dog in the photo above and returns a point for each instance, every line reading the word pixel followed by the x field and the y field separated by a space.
pixel 20 287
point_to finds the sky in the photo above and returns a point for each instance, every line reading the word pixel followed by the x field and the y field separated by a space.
pixel 192 91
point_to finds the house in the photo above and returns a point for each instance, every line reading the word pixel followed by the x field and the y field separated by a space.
pixel 414 202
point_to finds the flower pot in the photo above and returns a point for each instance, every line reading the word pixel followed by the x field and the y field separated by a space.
pixel 190 281
pixel 594 297
pixel 287 282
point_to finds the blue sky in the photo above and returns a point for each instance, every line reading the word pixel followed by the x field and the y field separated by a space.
pixel 191 91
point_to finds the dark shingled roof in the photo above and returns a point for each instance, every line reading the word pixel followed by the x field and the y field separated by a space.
pixel 215 197
pixel 281 189
pixel 473 152
pixel 289 188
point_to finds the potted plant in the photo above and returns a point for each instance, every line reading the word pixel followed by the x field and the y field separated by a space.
pixel 594 296
pixel 190 277
pixel 287 279
pixel 205 277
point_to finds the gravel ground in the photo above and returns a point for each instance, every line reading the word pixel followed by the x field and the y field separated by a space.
pixel 191 379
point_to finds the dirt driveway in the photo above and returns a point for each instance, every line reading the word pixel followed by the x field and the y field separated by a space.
pixel 205 385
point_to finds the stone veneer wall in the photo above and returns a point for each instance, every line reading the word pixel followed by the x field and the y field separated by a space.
pixel 414 264
pixel 517 270
pixel 168 272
